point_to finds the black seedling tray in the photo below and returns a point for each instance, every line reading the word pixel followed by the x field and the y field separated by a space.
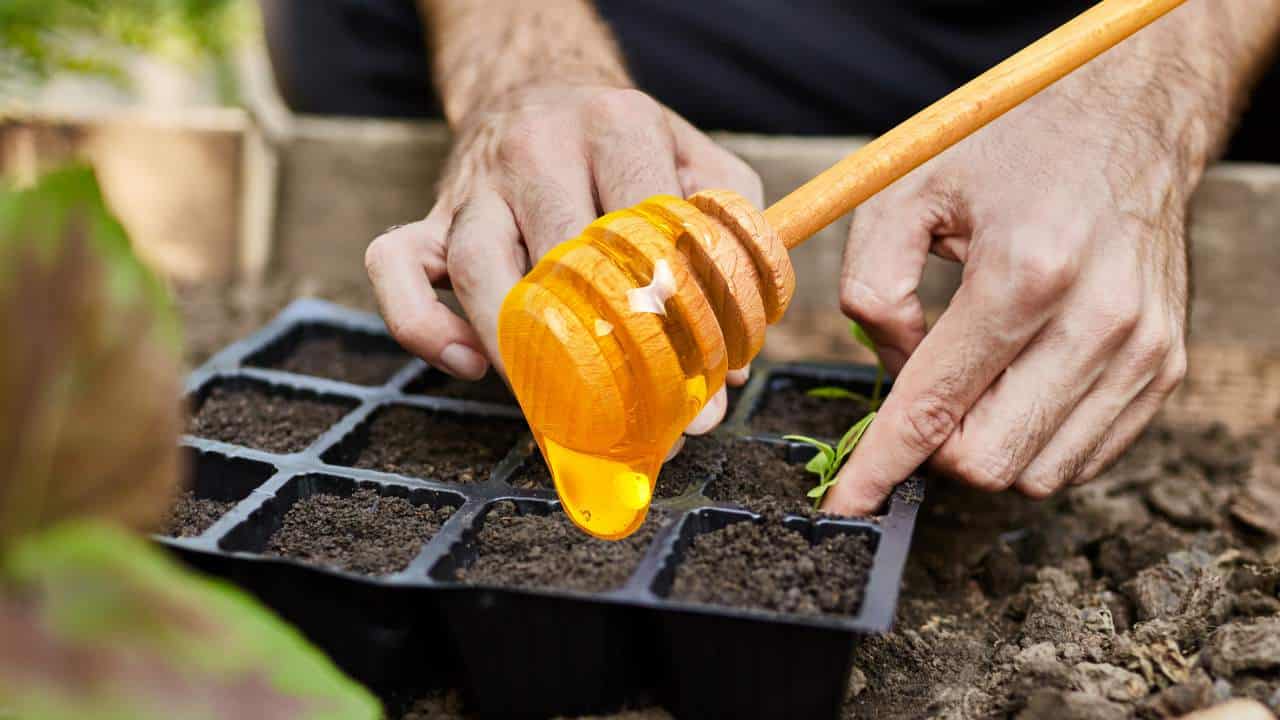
pixel 518 651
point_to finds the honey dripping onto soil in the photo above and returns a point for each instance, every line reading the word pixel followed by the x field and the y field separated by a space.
pixel 611 349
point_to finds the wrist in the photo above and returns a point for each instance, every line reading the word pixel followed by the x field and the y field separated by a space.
pixel 487 53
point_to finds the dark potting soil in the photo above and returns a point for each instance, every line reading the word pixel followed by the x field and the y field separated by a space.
pixel 435 445
pixel 1152 591
pixel 365 532
pixel 338 359
pixel 758 478
pixel 191 515
pixel 549 551
pixel 702 457
pixel 790 411
pixel 767 566
pixel 489 388
pixel 257 418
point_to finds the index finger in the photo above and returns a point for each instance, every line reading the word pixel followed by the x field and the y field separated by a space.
pixel 977 337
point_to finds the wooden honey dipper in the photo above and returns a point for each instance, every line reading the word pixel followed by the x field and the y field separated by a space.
pixel 617 338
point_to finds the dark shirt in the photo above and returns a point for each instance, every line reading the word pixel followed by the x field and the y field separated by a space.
pixel 798 67
pixel 814 67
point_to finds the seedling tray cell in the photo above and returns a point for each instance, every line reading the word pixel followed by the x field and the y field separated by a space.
pixel 427 622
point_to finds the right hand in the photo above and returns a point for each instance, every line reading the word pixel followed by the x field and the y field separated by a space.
pixel 528 171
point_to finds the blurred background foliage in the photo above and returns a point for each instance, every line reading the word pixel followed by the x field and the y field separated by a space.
pixel 40 39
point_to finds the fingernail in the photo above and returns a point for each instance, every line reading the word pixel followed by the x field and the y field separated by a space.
pixel 463 362
pixel 710 415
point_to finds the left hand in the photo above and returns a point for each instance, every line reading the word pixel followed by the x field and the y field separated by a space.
pixel 1067 332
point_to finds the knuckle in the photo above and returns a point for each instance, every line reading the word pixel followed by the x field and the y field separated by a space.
pixel 1175 371
pixel 621 105
pixel 406 327
pixel 867 306
pixel 928 422
pixel 375 255
pixel 1151 348
pixel 988 471
pixel 1044 271
pixel 1118 319
pixel 518 145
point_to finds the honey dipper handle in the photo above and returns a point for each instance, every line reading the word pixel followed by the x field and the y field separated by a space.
pixel 845 185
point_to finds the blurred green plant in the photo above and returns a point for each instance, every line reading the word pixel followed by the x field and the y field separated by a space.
pixel 96 622
pixel 39 38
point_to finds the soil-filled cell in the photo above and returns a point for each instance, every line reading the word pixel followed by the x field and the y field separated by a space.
pixel 758 476
pixel 489 388
pixel 788 408
pixel 215 484
pixel 537 546
pixel 429 444
pixel 328 352
pixel 363 532
pixel 259 416
pixel 702 458
pixel 766 565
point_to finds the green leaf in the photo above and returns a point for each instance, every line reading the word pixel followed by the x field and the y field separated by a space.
pixel 852 437
pixel 835 393
pixel 862 337
pixel 150 639
pixel 820 464
pixel 819 491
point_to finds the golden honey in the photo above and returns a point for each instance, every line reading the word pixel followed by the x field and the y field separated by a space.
pixel 612 348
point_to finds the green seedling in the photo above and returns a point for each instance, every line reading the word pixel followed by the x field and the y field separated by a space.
pixel 827 463
pixel 831 392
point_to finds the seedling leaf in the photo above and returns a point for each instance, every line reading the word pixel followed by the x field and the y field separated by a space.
pixel 830 392
pixel 862 337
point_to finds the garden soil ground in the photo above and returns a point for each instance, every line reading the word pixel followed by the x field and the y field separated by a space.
pixel 790 411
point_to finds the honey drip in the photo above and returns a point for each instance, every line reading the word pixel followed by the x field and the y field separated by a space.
pixel 606 385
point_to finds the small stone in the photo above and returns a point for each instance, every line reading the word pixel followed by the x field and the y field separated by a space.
pixel 1002 571
pixel 1186 501
pixel 1037 657
pixel 1178 700
pixel 1071 706
pixel 857 684
pixel 1098 619
pixel 1244 646
pixel 1060 582
pixel 1109 681
pixel 1158 592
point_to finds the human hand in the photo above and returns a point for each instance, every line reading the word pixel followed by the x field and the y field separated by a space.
pixel 528 170
pixel 1067 332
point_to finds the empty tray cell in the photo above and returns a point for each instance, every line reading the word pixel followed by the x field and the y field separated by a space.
pixel 352 356
pixel 490 388
pixel 762 478
pixel 360 527
pixel 214 486
pixel 796 567
pixel 533 544
pixel 267 417
pixel 701 459
pixel 428 444
pixel 788 408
